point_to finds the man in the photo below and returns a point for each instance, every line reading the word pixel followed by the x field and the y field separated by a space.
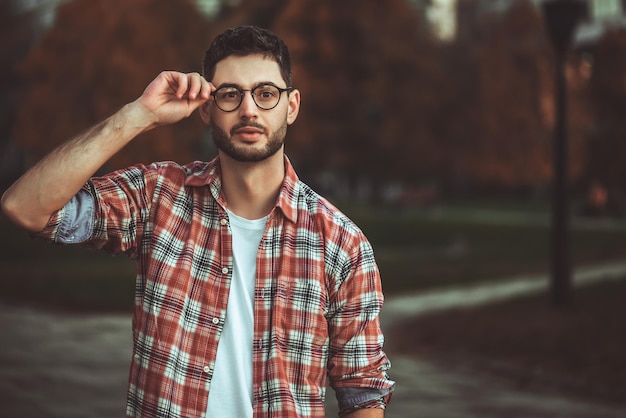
pixel 251 289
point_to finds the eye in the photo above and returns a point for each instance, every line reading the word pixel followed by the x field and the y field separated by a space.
pixel 228 94
pixel 266 93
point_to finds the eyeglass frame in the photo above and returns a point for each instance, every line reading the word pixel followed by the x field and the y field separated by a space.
pixel 242 94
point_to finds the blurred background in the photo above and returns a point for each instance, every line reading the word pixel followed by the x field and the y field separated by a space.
pixel 431 123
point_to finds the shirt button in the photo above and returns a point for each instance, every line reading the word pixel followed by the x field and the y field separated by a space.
pixel 216 321
pixel 223 221
pixel 225 270
pixel 206 369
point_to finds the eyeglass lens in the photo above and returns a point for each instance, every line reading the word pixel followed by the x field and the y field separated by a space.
pixel 229 98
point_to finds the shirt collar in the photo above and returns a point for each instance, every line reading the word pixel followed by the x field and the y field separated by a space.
pixel 201 174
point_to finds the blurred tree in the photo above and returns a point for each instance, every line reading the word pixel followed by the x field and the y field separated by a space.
pixel 369 77
pixel 263 13
pixel 99 55
pixel 382 101
pixel 499 137
pixel 607 94
pixel 17 34
pixel 507 122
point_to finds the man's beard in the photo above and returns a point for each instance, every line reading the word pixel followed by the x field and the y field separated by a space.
pixel 225 144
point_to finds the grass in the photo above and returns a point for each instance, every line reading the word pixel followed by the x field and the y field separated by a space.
pixel 415 251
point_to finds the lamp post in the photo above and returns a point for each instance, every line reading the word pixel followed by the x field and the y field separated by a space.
pixel 561 18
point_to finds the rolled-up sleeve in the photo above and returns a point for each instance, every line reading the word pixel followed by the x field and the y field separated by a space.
pixel 107 213
pixel 358 365
pixel 76 226
pixel 73 223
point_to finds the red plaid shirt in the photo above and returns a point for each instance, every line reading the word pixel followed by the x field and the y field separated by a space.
pixel 316 303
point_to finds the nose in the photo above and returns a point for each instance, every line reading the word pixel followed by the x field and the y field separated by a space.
pixel 248 107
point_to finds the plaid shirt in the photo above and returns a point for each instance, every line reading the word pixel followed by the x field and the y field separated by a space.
pixel 316 302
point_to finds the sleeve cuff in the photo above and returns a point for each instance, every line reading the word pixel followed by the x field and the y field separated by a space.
pixel 351 398
pixel 76 224
pixel 73 223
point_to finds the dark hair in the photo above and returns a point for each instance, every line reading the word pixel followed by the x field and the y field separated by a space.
pixel 247 40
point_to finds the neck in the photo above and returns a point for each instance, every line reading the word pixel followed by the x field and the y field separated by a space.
pixel 251 189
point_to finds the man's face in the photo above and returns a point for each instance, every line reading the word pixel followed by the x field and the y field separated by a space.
pixel 250 134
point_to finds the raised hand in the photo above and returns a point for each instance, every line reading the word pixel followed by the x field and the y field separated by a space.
pixel 173 96
pixel 169 98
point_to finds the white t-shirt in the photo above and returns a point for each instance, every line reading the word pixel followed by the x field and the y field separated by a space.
pixel 230 394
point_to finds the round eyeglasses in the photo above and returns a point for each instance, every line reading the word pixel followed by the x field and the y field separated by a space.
pixel 265 96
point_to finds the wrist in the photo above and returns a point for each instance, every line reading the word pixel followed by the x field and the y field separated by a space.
pixel 138 117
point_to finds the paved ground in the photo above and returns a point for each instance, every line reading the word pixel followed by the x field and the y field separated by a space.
pixel 408 306
pixel 55 365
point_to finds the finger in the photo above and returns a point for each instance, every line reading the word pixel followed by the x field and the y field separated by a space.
pixel 182 85
pixel 195 85
pixel 206 89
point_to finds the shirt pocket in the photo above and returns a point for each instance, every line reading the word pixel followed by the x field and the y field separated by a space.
pixel 300 322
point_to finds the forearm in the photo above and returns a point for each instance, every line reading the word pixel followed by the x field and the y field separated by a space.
pixel 54 180
pixel 366 413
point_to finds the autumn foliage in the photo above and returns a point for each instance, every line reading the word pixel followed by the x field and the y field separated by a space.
pixel 382 100
pixel 100 55
pixel 606 148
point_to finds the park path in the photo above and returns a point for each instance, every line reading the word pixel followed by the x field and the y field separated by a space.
pixel 409 306
pixel 57 365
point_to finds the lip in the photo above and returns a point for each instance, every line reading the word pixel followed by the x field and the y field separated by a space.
pixel 249 133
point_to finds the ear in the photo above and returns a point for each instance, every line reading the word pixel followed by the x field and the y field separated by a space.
pixel 294 106
pixel 205 112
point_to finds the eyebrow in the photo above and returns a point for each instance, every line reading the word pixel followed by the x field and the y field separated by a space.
pixel 237 86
